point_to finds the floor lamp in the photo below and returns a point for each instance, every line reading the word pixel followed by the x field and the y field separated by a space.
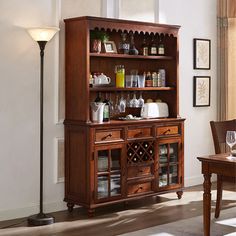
pixel 41 36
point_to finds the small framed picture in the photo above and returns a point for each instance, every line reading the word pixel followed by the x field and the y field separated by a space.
pixel 202 54
pixel 110 47
pixel 201 91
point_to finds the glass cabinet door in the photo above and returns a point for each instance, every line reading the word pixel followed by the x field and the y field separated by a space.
pixel 108 172
pixel 169 162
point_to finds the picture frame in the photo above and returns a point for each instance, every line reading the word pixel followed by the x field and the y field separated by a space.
pixel 201 91
pixel 110 47
pixel 202 54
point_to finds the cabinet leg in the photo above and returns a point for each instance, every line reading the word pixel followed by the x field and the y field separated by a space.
pixel 91 212
pixel 179 194
pixel 70 206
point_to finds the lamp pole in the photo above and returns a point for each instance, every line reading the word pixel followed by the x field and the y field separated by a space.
pixel 42 36
pixel 42 45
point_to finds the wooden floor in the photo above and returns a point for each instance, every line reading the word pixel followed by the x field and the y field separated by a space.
pixel 117 219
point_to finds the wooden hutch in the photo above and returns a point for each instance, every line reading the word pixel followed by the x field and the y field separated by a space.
pixel 118 161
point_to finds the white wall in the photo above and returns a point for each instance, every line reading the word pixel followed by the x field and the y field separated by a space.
pixel 143 11
pixel 19 94
pixel 197 20
pixel 19 109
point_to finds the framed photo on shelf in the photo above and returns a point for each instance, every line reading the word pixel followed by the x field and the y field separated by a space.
pixel 202 54
pixel 201 91
pixel 110 47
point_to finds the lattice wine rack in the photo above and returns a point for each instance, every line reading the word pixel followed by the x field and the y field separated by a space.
pixel 140 152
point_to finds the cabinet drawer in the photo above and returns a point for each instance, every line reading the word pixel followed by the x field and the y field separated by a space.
pixel 108 135
pixel 168 130
pixel 139 171
pixel 139 133
pixel 139 188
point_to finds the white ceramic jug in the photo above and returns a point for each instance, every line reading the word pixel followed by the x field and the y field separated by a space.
pixel 97 111
pixel 102 79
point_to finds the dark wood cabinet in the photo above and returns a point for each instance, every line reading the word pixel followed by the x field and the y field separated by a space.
pixel 119 160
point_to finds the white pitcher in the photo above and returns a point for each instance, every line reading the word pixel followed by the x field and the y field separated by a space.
pixel 97 111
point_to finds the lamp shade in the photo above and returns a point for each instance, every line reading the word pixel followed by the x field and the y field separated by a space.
pixel 43 34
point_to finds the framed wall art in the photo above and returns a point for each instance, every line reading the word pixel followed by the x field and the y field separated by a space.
pixel 201 91
pixel 202 54
pixel 110 47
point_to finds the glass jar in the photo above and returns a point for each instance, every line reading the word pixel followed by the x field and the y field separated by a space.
pixel 120 76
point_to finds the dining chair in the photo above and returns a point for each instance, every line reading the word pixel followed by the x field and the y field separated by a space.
pixel 219 130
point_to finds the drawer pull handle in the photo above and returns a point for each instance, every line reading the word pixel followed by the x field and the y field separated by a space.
pixel 138 134
pixel 139 188
pixel 168 130
pixel 107 136
pixel 140 171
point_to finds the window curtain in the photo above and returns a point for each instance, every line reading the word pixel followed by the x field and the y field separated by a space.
pixel 226 30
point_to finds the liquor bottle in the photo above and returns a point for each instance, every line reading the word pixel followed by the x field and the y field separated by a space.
pixel 161 47
pixel 153 47
pixel 148 80
pixel 135 159
pixel 98 98
pixel 106 111
pixel 154 79
pixel 145 145
pixel 130 153
pixel 145 158
pixel 144 49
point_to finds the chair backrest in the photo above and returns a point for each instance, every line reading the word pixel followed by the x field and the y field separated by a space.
pixel 219 129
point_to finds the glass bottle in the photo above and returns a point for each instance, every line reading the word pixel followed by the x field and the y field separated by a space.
pixel 106 111
pixel 120 76
pixel 153 47
pixel 144 48
pixel 132 50
pixel 99 97
pixel 154 79
pixel 161 48
pixel 148 80
pixel 124 44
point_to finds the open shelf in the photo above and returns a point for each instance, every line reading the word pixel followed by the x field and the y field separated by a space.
pixel 116 55
pixel 108 89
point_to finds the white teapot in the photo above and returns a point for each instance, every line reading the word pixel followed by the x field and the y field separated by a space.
pixel 102 79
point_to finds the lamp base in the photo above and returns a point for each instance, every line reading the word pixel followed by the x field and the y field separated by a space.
pixel 40 219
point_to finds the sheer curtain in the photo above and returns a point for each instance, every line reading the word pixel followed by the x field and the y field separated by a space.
pixel 226 59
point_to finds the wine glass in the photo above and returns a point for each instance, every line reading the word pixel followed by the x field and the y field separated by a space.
pixel 134 101
pixel 231 140
pixel 122 103
pixel 116 106
pixel 141 100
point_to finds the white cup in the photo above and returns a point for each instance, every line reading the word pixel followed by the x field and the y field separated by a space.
pixel 128 81
pixel 141 81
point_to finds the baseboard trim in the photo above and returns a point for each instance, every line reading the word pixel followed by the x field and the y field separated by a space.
pixel 60 206
pixel 196 180
pixel 31 210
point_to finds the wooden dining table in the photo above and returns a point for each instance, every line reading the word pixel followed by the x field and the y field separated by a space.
pixel 220 164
